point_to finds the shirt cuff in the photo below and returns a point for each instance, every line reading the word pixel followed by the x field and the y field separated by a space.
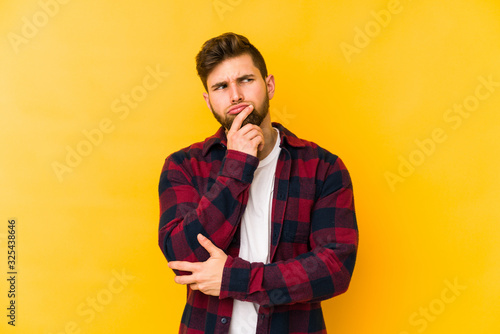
pixel 239 165
pixel 235 278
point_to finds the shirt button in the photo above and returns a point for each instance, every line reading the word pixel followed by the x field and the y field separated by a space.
pixel 223 320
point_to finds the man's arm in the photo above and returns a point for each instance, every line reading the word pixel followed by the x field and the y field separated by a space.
pixel 184 213
pixel 319 274
pixel 322 273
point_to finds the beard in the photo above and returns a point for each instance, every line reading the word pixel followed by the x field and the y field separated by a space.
pixel 256 116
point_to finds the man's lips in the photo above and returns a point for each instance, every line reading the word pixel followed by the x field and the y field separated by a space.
pixel 237 109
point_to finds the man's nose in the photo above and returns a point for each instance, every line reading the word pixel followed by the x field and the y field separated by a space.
pixel 236 94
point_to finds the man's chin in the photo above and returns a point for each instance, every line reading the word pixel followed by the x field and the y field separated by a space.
pixel 254 119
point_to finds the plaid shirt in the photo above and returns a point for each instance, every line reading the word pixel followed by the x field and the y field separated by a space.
pixel 204 189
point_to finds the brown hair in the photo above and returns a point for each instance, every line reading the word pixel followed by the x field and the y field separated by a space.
pixel 228 45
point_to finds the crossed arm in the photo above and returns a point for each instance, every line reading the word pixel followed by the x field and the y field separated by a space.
pixel 323 272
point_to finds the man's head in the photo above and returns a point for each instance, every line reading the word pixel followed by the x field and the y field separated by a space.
pixel 234 75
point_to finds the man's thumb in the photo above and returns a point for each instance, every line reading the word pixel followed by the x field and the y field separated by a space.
pixel 207 244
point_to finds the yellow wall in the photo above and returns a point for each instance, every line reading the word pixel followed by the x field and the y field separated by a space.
pixel 399 90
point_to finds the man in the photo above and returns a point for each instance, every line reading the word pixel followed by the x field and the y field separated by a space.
pixel 259 224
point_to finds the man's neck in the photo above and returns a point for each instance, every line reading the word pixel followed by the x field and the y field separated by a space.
pixel 270 137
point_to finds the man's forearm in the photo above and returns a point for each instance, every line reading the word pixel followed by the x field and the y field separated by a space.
pixel 216 214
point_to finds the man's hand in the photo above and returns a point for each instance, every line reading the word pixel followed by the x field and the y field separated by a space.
pixel 206 276
pixel 248 139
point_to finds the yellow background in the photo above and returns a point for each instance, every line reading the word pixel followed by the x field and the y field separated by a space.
pixel 436 226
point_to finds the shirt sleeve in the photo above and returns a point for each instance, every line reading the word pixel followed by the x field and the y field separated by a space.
pixel 185 211
pixel 323 272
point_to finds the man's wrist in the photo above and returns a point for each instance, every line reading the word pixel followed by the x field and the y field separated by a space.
pixel 239 165
pixel 235 278
pixel 226 273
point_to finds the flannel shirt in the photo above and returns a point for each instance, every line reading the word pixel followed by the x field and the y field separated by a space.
pixel 204 189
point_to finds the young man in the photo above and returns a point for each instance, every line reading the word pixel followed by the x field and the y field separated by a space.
pixel 257 223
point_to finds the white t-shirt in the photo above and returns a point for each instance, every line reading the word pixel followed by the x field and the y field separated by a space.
pixel 256 235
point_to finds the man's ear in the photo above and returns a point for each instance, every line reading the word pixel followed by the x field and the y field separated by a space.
pixel 270 85
pixel 207 100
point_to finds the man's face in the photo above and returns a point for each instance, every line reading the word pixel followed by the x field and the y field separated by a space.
pixel 234 84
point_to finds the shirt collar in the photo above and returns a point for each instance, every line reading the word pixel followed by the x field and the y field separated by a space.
pixel 287 138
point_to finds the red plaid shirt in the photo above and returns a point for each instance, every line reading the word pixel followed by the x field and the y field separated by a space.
pixel 204 189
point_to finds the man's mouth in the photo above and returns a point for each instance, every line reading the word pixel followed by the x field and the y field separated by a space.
pixel 237 109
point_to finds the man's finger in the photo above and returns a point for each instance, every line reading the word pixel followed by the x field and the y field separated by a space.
pixel 182 265
pixel 208 245
pixel 250 131
pixel 238 120
pixel 260 141
pixel 186 279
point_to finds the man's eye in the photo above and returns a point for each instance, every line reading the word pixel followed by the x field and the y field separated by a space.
pixel 220 87
pixel 247 80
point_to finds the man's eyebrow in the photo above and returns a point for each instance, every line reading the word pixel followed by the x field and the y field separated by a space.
pixel 218 84
pixel 243 77
pixel 246 76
